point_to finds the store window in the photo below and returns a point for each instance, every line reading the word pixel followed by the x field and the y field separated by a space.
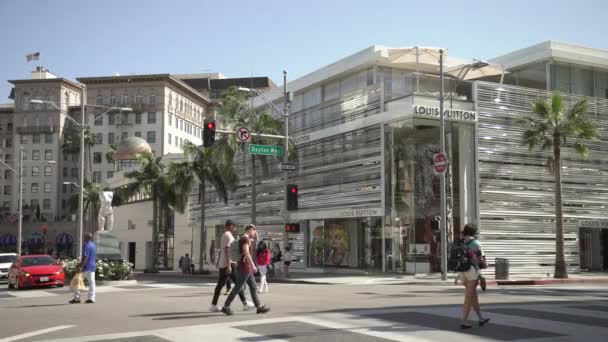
pixel 46 204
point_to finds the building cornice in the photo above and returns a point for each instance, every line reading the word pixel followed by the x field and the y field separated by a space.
pixel 48 80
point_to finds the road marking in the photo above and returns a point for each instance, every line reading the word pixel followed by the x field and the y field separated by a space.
pixel 32 294
pixel 35 333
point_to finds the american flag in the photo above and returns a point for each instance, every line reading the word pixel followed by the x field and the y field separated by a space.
pixel 14 217
pixel 33 56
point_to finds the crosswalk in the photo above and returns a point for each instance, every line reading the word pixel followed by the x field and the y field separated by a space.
pixel 6 294
pixel 518 322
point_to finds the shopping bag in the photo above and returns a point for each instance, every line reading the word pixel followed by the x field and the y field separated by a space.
pixel 77 283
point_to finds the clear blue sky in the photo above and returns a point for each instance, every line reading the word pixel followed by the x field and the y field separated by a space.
pixel 237 38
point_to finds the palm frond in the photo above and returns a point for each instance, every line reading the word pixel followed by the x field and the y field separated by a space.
pixel 557 107
pixel 582 149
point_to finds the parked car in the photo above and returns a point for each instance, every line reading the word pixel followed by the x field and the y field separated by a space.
pixel 34 271
pixel 6 260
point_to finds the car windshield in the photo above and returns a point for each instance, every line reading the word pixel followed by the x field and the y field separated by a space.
pixel 5 259
pixel 37 261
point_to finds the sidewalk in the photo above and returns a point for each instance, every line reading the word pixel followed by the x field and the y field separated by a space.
pixel 380 279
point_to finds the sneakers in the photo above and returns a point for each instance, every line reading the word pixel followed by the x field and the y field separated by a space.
pixel 248 306
pixel 74 301
pixel 215 308
pixel 227 292
pixel 482 283
pixel 226 310
pixel 90 301
pixel 262 309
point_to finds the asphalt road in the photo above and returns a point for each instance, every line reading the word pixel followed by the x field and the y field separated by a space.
pixel 178 312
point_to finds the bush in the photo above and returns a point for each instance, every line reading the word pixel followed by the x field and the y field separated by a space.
pixel 106 270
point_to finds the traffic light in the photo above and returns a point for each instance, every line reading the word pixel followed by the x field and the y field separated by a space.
pixel 209 133
pixel 292 228
pixel 44 229
pixel 292 197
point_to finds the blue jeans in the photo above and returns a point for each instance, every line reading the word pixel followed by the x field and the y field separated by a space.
pixel 241 279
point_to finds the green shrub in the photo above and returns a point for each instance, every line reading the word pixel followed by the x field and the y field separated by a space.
pixel 106 270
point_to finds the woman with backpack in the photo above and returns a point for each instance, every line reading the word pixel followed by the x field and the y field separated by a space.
pixel 263 260
pixel 469 275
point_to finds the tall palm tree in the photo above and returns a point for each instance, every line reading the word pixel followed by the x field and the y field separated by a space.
pixel 234 112
pixel 550 128
pixel 71 145
pixel 206 165
pixel 154 180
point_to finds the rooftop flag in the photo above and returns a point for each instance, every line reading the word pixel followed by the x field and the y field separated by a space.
pixel 33 56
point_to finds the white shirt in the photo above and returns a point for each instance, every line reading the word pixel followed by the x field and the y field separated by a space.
pixel 226 240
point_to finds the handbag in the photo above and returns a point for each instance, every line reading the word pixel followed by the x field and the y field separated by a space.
pixel 77 282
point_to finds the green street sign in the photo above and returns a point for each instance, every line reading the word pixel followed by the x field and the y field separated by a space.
pixel 267 150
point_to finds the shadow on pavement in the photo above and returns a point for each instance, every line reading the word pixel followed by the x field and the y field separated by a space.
pixel 38 306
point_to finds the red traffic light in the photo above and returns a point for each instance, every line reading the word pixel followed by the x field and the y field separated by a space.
pixel 294 190
pixel 211 125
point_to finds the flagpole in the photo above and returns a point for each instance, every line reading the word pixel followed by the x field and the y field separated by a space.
pixel 19 230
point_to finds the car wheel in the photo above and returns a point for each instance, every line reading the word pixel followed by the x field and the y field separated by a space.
pixel 60 286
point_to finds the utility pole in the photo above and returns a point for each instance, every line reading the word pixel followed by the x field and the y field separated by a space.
pixel 20 229
pixel 285 157
pixel 443 224
pixel 83 105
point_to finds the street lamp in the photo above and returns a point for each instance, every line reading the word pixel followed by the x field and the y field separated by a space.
pixel 20 204
pixel 82 126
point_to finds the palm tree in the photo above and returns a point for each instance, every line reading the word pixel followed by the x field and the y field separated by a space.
pixel 213 165
pixel 551 127
pixel 234 112
pixel 154 180
pixel 71 145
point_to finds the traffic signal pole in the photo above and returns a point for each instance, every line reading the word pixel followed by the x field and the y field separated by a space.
pixel 285 158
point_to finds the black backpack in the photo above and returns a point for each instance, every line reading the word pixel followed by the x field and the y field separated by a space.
pixel 459 258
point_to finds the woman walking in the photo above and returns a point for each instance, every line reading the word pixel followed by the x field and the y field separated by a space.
pixel 469 278
pixel 263 260
pixel 277 260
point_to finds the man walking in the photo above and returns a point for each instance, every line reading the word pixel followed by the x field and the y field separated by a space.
pixel 246 268
pixel 88 266
pixel 227 268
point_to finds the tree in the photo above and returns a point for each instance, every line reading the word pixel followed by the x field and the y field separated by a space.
pixel 234 112
pixel 212 165
pixel 551 128
pixel 153 179
pixel 71 145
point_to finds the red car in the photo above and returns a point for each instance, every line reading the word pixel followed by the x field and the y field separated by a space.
pixel 35 270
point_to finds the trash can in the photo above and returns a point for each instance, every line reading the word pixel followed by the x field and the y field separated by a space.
pixel 501 268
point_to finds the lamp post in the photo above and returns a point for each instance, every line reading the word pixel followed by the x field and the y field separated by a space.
pixel 82 126
pixel 443 223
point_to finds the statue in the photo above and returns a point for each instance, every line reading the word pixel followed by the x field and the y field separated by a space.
pixel 106 215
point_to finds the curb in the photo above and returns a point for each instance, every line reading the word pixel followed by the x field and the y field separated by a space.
pixel 548 281
pixel 115 282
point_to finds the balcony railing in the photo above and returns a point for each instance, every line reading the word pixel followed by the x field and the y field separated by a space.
pixel 428 85
pixel 37 129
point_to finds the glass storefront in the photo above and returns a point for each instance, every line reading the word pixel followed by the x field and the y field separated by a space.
pixel 412 190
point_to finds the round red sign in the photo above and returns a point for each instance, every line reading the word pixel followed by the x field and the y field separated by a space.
pixel 441 162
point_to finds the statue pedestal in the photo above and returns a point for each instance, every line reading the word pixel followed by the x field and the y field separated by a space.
pixel 108 246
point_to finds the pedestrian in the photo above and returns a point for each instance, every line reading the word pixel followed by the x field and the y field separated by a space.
pixel 87 267
pixel 245 269
pixel 227 269
pixel 287 260
pixel 263 259
pixel 181 264
pixel 470 276
pixel 228 282
pixel 277 260
pixel 187 261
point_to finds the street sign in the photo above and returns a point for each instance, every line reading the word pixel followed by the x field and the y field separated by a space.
pixel 440 162
pixel 288 166
pixel 243 134
pixel 267 150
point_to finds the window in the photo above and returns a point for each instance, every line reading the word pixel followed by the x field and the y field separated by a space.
pixel 7 190
pixel 36 138
pixel 176 141
pixel 181 124
pixel 26 101
pixel 152 99
pixel 99 100
pixel 65 156
pixel 35 171
pixel 46 203
pixel 151 137
pixel 124 136
pixel 181 142
pixel 74 172
pixel 48 155
pixel 48 138
pixel 34 188
pixel 112 100
pixel 137 118
pixel 110 174
pixel 8 174
pixel 34 204
pixel 62 204
pixel 139 99
pixel 170 119
pixel 96 176
pixel 64 188
pixel 97 158
pixel 110 138
pixel 48 171
pixel 8 158
pixel 73 188
pixel 111 119
pixel 169 138
pixel 35 155
pixel 125 99
pixel 47 187
pixel 138 134
pixel 98 138
pixel 23 139
pixel 75 157
pixel 65 172
pixel 98 120
pixel 9 142
pixel 151 117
